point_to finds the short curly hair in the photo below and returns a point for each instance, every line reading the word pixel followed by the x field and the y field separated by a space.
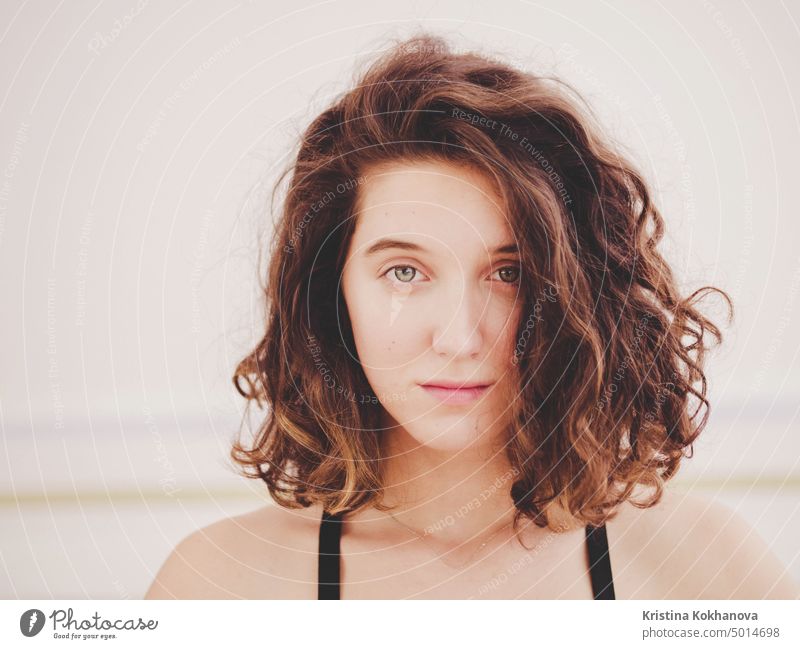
pixel 605 377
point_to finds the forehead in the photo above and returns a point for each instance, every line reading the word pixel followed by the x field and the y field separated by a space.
pixel 437 204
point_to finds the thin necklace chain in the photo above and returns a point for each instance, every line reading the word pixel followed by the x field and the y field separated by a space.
pixel 440 557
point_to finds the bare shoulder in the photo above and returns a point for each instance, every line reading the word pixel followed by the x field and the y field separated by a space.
pixel 689 546
pixel 267 553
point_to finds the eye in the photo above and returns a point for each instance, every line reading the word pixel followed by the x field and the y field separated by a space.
pixel 514 274
pixel 403 273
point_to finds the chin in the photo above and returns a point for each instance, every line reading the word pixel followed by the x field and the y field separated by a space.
pixel 455 438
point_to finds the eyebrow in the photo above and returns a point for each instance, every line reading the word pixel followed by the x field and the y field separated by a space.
pixel 386 244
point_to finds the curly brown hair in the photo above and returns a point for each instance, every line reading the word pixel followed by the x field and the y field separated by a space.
pixel 605 379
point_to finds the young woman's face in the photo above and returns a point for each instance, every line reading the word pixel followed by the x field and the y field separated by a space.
pixel 431 284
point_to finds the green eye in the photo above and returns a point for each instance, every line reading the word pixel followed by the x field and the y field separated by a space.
pixel 404 274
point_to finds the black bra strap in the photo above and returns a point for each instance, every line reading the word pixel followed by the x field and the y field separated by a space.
pixel 599 562
pixel 330 534
pixel 330 531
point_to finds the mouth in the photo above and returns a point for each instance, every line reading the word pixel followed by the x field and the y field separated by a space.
pixel 456 393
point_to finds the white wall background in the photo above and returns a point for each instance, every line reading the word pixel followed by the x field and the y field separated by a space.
pixel 137 143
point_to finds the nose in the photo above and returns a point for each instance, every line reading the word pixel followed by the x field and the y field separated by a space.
pixel 458 332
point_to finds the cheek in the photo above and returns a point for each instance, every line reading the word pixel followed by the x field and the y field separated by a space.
pixel 387 339
pixel 504 336
pixel 387 361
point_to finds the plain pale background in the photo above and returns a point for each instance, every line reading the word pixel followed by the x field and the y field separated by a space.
pixel 139 144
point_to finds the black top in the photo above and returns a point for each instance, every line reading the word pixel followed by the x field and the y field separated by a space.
pixel 330 534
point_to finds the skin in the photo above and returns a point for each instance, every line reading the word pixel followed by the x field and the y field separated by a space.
pixel 454 317
pixel 447 312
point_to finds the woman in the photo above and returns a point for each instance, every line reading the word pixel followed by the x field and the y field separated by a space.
pixel 478 369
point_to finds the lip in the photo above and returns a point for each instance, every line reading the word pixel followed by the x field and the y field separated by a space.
pixel 467 393
pixel 452 385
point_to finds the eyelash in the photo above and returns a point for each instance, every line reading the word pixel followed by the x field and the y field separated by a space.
pixel 388 270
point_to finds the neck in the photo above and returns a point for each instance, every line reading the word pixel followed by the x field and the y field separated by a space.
pixel 452 496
